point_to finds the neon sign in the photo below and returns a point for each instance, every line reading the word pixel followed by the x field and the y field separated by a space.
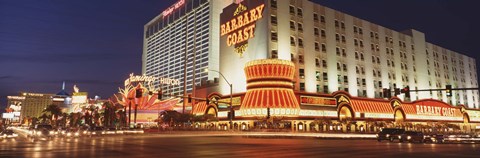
pixel 318 101
pixel 149 79
pixel 435 111
pixel 241 28
pixel 175 6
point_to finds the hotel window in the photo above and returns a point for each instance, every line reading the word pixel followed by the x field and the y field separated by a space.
pixel 363 82
pixel 300 27
pixel 339 67
pixel 322 32
pixel 363 70
pixel 380 84
pixel 274 54
pixel 357 70
pixel 315 17
pixel 371 35
pixel 292 40
pixel 301 73
pixel 317 75
pixel 336 23
pixel 344 53
pixel 325 89
pixel 299 12
pixel 337 37
pixel 356 55
pixel 324 48
pixel 316 31
pixel 292 25
pixel 302 86
pixel 274 20
pixel 358 81
pixel 344 67
pixel 300 58
pixel 345 79
pixel 361 43
pixel 374 73
pixel 322 19
pixel 373 59
pixel 361 57
pixel 317 62
pixel 378 60
pixel 274 36
pixel 318 88
pixel 343 39
pixel 325 76
pixel 324 63
pixel 300 42
pixel 317 46
pixel 355 29
pixel 343 25
pixel 292 10
pixel 273 3
pixel 355 42
pixel 338 51
pixel 360 31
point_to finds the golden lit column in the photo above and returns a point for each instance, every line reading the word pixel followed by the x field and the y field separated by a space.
pixel 269 89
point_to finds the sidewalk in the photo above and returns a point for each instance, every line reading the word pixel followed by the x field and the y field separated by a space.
pixel 262 134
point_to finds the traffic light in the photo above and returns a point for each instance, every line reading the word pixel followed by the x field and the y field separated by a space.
pixel 387 93
pixel 397 91
pixel 449 90
pixel 160 94
pixel 189 98
pixel 138 93
pixel 406 91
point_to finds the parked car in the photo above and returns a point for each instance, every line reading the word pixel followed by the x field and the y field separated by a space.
pixel 389 134
pixel 411 136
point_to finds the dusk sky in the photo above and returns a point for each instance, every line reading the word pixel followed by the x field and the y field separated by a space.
pixel 97 44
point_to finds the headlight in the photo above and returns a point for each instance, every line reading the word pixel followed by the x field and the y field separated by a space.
pixel 77 134
pixel 94 133
pixel 56 133
pixel 69 134
pixel 409 137
pixel 388 135
pixel 51 132
pixel 399 137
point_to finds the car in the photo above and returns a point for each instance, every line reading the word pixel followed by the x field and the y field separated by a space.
pixel 8 134
pixel 411 136
pixel 69 133
pixel 42 131
pixel 389 134
pixel 95 131
pixel 434 138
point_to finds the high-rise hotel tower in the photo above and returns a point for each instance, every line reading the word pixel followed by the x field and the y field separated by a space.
pixel 185 32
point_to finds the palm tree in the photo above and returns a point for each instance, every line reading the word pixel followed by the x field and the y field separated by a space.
pixel 44 118
pixel 54 111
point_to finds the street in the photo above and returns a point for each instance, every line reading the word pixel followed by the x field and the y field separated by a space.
pixel 158 145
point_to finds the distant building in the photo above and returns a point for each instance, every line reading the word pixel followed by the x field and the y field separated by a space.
pixel 34 104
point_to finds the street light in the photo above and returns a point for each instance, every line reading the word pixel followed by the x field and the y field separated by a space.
pixel 231 97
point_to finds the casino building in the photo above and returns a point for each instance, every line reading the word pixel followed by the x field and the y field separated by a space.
pixel 296 64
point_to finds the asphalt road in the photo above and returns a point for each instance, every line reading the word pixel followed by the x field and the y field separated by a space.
pixel 158 145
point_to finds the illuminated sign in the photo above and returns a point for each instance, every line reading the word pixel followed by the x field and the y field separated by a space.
pixel 79 98
pixel 16 97
pixel 7 115
pixel 435 110
pixel 236 101
pixel 318 101
pixel 240 28
pixel 175 6
pixel 150 79
pixel 33 94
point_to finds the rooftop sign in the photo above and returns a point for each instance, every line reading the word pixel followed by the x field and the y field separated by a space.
pixel 175 6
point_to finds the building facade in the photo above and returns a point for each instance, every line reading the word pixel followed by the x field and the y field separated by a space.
pixel 34 104
pixel 184 37
pixel 335 51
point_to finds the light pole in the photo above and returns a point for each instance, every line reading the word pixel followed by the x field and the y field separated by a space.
pixel 231 97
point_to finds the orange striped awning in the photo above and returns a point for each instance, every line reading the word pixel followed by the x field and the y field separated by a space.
pixel 365 106
pixel 199 108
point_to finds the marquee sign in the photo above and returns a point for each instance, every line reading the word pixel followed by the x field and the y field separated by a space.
pixel 239 23
pixel 150 79
pixel 317 101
